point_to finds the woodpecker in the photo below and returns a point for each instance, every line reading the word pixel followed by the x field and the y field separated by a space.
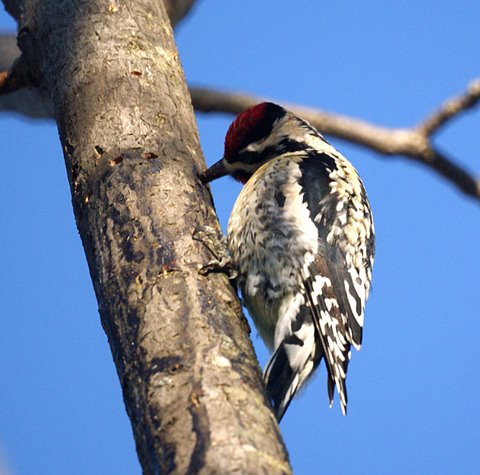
pixel 301 238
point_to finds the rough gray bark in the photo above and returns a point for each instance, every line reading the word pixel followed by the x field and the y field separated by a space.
pixel 191 384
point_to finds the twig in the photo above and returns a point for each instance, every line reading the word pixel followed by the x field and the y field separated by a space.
pixel 451 108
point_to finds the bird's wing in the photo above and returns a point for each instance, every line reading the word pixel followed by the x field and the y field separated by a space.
pixel 336 287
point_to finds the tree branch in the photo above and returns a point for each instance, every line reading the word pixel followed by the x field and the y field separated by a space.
pixel 380 139
pixel 452 172
pixel 451 108
pixel 414 143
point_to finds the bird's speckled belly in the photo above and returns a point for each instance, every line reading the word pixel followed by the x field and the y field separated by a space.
pixel 268 241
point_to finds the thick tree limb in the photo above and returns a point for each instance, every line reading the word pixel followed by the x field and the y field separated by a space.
pixel 414 143
pixel 190 380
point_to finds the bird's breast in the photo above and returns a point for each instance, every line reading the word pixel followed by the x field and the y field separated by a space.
pixel 271 238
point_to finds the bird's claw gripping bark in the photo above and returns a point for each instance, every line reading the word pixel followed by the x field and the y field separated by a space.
pixel 216 243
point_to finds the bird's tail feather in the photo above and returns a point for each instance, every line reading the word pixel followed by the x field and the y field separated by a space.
pixel 283 381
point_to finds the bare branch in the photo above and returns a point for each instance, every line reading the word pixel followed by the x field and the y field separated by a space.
pixel 413 143
pixel 451 108
pixel 381 139
pixel 453 172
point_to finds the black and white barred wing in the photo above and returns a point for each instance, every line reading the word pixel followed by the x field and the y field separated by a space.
pixel 337 281
pixel 336 326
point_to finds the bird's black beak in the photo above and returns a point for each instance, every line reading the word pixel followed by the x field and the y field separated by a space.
pixel 217 170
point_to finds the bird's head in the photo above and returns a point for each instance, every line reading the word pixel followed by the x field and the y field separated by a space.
pixel 257 135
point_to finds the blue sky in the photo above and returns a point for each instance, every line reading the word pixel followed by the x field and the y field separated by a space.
pixel 414 387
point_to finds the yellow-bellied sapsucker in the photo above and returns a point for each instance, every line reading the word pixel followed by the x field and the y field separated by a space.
pixel 302 240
